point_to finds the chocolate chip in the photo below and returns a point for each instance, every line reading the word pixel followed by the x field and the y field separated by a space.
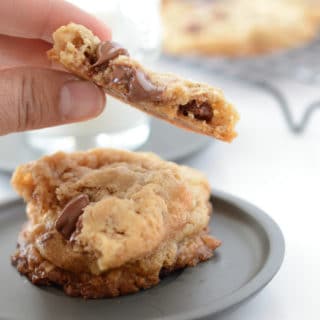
pixel 137 83
pixel 108 50
pixel 141 88
pixel 66 223
pixel 200 112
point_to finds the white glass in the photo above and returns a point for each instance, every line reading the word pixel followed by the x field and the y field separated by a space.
pixel 136 25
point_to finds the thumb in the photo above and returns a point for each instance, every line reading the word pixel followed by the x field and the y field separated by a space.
pixel 32 98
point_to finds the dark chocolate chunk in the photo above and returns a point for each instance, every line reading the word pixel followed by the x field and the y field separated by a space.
pixel 107 51
pixel 66 223
pixel 200 112
pixel 142 89
pixel 138 85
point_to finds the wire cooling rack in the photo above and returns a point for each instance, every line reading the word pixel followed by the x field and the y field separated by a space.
pixel 301 64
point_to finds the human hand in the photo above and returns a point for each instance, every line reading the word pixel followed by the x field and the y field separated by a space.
pixel 33 92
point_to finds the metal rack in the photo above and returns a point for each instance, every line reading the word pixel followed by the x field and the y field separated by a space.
pixel 301 64
pixel 294 126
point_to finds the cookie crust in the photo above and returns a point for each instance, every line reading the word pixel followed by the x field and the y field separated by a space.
pixel 127 279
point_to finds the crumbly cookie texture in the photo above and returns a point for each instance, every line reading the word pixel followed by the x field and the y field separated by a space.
pixel 194 106
pixel 104 223
pixel 238 27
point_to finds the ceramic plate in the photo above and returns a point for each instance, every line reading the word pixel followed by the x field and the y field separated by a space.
pixel 251 253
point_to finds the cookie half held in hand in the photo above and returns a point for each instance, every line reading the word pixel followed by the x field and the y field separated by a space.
pixel 105 223
pixel 194 106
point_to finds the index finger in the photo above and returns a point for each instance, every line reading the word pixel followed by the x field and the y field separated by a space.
pixel 38 19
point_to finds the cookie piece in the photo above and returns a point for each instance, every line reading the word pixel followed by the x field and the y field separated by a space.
pixel 194 106
pixel 237 27
pixel 104 223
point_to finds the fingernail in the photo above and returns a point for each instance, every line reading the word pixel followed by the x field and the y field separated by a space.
pixel 80 100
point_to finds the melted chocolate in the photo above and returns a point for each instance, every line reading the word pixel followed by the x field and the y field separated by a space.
pixel 121 75
pixel 107 51
pixel 66 223
pixel 137 84
pixel 200 112
pixel 141 88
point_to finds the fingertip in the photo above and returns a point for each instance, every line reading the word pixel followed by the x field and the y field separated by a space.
pixel 81 100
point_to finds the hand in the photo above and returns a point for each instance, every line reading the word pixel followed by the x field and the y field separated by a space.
pixel 34 93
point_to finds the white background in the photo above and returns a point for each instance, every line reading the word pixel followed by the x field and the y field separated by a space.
pixel 279 172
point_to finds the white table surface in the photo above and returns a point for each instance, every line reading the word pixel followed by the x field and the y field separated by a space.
pixel 279 172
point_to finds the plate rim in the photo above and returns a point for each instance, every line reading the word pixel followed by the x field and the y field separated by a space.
pixel 264 275
pixel 269 269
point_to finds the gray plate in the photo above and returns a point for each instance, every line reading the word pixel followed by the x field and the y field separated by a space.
pixel 251 254
pixel 167 141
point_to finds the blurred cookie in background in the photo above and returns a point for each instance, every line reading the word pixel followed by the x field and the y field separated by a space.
pixel 238 27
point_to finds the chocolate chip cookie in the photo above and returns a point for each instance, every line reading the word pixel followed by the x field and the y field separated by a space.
pixel 105 223
pixel 238 27
pixel 194 106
